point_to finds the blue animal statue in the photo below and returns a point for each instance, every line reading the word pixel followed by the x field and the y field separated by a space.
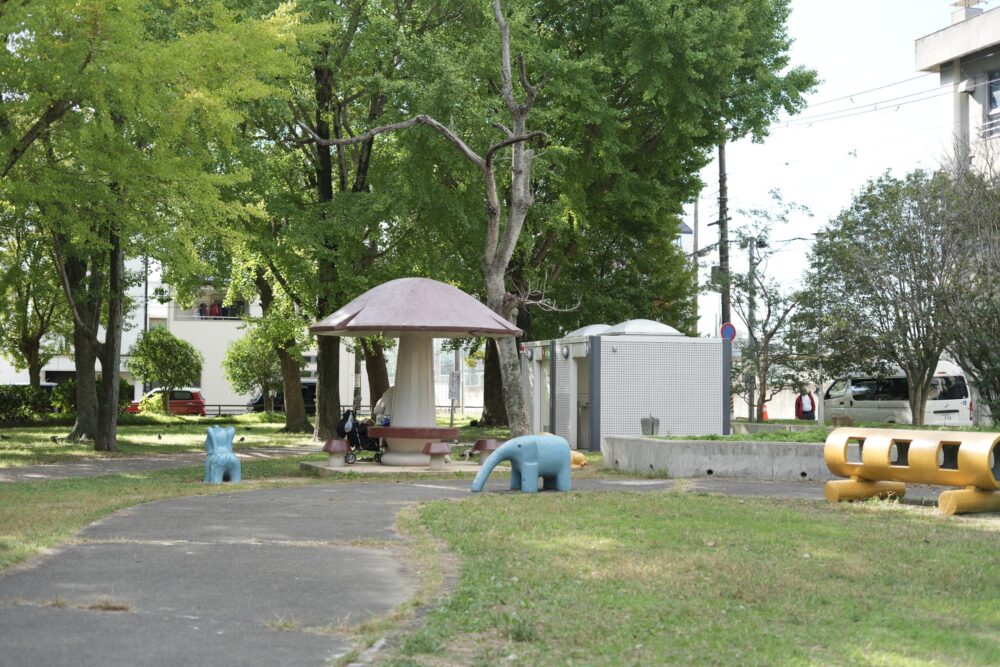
pixel 531 457
pixel 221 464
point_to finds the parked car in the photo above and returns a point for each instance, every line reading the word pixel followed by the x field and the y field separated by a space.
pixel 308 396
pixel 182 401
pixel 868 399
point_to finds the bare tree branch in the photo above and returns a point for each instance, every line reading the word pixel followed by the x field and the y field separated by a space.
pixel 511 141
pixel 421 119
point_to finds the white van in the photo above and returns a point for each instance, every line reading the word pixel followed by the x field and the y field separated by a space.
pixel 868 399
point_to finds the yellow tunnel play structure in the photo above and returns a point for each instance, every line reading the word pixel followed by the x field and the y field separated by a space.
pixel 879 462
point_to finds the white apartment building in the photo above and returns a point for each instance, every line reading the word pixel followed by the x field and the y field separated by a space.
pixel 966 57
pixel 211 327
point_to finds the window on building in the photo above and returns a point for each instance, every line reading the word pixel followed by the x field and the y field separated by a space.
pixel 991 124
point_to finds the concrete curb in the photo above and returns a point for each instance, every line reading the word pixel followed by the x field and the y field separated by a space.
pixel 769 461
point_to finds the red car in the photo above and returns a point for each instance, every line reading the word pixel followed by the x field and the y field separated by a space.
pixel 182 402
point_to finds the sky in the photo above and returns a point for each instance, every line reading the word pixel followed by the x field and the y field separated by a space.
pixel 819 160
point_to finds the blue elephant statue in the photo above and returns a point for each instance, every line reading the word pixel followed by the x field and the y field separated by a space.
pixel 221 464
pixel 531 457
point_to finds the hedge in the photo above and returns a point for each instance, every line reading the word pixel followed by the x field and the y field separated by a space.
pixel 21 403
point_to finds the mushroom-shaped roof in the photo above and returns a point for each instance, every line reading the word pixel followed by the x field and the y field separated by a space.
pixel 642 328
pixel 415 305
pixel 589 330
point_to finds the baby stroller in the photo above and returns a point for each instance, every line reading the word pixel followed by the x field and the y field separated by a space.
pixel 357 437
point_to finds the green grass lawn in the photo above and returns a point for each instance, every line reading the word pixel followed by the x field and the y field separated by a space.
pixel 609 578
pixel 34 444
pixel 37 515
pixel 144 435
pixel 675 578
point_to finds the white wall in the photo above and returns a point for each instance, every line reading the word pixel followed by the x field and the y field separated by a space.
pixel 676 379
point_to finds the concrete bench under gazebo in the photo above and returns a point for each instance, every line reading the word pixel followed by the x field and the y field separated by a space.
pixel 416 311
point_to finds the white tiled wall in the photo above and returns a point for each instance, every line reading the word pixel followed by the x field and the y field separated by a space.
pixel 679 380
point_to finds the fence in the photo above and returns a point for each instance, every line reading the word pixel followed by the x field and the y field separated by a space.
pixel 219 409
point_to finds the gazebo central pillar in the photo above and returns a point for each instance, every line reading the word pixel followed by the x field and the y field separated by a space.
pixel 413 404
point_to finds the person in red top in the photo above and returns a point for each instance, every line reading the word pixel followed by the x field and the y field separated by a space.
pixel 805 406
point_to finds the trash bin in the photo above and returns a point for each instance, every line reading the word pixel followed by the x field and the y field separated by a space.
pixel 650 425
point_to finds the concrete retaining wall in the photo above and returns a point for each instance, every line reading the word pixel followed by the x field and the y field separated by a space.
pixel 779 461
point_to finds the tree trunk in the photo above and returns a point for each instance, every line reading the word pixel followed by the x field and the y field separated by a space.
pixel 525 320
pixel 296 420
pixel 34 359
pixel 918 401
pixel 761 393
pixel 110 352
pixel 84 353
pixel 510 360
pixel 378 374
pixel 328 347
pixel 494 410
pixel 265 392
pixel 327 387
pixel 84 359
pixel 513 392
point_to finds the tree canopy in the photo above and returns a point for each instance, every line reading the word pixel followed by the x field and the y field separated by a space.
pixel 251 366
pixel 160 357
pixel 882 275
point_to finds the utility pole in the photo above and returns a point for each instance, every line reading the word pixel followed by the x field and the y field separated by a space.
pixel 694 260
pixel 724 234
pixel 753 242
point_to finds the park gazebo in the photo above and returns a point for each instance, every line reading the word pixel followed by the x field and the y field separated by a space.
pixel 416 311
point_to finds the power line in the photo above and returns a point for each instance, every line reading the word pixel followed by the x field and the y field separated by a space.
pixel 887 101
pixel 890 106
pixel 865 92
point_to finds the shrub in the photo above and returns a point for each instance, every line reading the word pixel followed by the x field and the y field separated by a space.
pixel 64 395
pixel 159 357
pixel 152 403
pixel 21 403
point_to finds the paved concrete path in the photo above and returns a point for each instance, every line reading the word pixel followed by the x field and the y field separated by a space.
pixel 95 467
pixel 256 578
pixel 265 577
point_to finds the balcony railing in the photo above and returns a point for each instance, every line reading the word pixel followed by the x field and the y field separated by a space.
pixel 990 128
pixel 215 311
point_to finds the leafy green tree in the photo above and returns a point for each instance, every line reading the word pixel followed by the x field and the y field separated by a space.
pixel 974 316
pixel 159 357
pixel 34 325
pixel 626 128
pixel 882 275
pixel 149 95
pixel 251 365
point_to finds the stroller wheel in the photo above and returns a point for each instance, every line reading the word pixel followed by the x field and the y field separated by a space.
pixel 378 457
pixel 350 457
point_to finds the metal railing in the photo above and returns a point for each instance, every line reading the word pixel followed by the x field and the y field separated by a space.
pixel 222 409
